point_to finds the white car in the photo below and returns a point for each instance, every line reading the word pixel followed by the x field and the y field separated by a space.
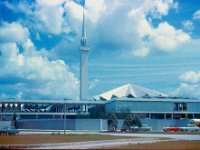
pixel 189 129
pixel 144 128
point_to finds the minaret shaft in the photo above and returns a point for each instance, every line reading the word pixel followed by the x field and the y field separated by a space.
pixel 84 75
pixel 83 63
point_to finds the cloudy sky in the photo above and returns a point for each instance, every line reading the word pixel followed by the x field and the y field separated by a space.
pixel 151 43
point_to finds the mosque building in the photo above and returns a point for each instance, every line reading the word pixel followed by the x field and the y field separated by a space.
pixel 153 108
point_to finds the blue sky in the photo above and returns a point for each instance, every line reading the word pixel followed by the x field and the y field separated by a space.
pixel 154 43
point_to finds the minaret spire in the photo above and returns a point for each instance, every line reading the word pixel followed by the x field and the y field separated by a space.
pixel 83 38
pixel 84 62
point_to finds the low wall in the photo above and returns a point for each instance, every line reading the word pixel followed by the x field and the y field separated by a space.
pixel 90 124
pixel 5 124
pixel 49 124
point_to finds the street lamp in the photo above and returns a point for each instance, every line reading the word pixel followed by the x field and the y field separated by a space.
pixel 1 106
pixel 64 116
pixel 65 99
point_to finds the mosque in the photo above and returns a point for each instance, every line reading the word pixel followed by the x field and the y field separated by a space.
pixel 154 108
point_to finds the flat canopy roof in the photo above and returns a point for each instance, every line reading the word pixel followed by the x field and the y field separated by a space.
pixel 153 100
pixel 53 101
pixel 99 102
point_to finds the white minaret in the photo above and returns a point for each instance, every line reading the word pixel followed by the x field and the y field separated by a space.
pixel 83 63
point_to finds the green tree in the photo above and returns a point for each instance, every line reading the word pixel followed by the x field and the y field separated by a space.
pixel 136 122
pixel 128 120
pixel 112 122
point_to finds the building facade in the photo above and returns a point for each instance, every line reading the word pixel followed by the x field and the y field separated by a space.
pixel 155 108
pixel 45 114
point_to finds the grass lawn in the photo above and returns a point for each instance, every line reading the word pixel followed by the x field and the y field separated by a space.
pixel 173 145
pixel 41 138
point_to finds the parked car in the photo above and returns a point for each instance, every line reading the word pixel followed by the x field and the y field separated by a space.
pixel 123 129
pixel 189 129
pixel 181 129
pixel 144 128
pixel 9 131
pixel 171 129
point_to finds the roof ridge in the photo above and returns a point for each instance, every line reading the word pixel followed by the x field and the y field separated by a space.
pixel 129 88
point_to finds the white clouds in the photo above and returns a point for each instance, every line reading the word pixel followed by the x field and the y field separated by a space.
pixel 141 52
pixel 49 16
pixel 164 37
pixel 196 15
pixel 54 76
pixel 188 25
pixel 50 2
pixel 156 8
pixel 74 10
pixel 130 22
pixel 44 16
pixel 190 84
pixel 21 7
pixel 95 9
pixel 37 76
pixel 9 52
pixel 167 38
pixel 13 32
pixel 191 77
pixel 115 27
pixel 93 84
pixel 188 90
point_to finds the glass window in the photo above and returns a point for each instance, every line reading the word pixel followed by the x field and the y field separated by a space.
pixel 180 107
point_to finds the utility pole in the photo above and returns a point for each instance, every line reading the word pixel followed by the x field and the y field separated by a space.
pixel 64 116
pixel 1 105
pixel 64 112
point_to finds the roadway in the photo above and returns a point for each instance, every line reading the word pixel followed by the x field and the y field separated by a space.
pixel 179 136
pixel 142 138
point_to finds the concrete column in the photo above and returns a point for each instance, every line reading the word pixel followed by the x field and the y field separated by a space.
pixel 82 108
pixel 186 115
pixel 18 116
pixel 149 116
pixel 86 108
pixel 101 124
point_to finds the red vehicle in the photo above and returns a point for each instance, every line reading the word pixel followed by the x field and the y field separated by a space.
pixel 173 129
pixel 193 126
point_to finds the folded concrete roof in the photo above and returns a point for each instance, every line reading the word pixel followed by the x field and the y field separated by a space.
pixel 129 90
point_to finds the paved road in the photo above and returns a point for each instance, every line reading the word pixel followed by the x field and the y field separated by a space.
pixel 142 138
pixel 173 136
pixel 160 134
pixel 100 144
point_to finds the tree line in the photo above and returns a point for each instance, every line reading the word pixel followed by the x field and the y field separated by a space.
pixel 129 121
